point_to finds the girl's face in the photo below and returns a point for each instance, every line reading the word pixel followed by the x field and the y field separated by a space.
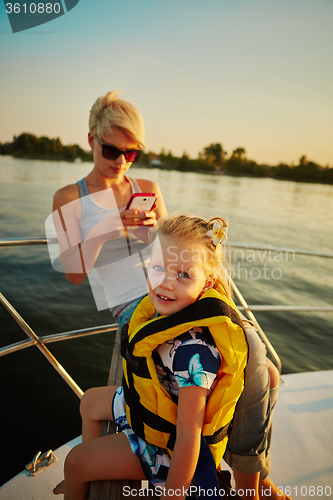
pixel 177 276
pixel 112 168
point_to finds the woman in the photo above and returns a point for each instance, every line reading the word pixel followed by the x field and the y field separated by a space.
pixel 93 227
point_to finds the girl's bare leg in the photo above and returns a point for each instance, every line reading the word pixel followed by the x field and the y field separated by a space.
pixel 274 377
pixel 109 457
pixel 247 484
pixel 271 490
pixel 259 489
pixel 266 485
pixel 95 406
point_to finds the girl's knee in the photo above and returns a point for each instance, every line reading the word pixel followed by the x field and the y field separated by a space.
pixel 87 403
pixel 274 375
pixel 73 462
pixel 96 403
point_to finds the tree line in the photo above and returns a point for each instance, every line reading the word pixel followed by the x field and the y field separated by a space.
pixel 30 146
pixel 212 158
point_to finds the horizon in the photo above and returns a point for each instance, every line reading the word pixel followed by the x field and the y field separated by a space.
pixel 166 152
pixel 253 73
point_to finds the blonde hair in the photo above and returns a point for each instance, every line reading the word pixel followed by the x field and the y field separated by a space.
pixel 110 111
pixel 194 229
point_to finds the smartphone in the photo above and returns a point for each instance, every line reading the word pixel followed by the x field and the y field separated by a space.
pixel 142 201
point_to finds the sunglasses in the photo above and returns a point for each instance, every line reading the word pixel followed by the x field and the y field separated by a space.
pixel 112 153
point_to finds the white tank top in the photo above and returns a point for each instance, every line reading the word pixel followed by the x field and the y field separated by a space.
pixel 118 276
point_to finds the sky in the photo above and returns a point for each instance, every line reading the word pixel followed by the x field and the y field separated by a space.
pixel 256 74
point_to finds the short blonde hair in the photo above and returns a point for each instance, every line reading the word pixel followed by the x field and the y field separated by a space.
pixel 194 230
pixel 110 111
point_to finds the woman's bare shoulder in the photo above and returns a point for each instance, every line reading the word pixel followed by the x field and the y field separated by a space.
pixel 148 186
pixel 65 195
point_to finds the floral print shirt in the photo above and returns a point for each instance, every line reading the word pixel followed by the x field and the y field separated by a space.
pixel 192 359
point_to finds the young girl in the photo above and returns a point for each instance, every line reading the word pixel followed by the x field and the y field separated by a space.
pixel 90 216
pixel 183 372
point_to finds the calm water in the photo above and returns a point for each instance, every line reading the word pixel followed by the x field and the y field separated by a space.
pixel 38 410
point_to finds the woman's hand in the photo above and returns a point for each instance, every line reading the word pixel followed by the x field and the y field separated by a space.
pixel 132 217
pixel 139 223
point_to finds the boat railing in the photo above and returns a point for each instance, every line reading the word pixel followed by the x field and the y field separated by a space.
pixel 41 341
pixel 10 242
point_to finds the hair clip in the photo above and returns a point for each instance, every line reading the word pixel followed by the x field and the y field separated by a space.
pixel 218 233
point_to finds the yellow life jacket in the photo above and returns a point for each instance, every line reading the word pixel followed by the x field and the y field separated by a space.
pixel 150 409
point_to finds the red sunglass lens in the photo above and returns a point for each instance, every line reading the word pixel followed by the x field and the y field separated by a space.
pixel 131 155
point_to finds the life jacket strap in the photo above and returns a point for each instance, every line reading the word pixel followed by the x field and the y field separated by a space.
pixel 141 415
pixel 137 364
pixel 219 435
pixel 200 310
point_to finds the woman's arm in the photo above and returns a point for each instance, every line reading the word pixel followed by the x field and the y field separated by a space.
pixel 66 212
pixel 190 419
pixel 78 257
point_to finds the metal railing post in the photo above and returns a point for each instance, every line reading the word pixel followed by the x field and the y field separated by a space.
pixel 251 317
pixel 36 340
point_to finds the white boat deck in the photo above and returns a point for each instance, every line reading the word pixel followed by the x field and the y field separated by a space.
pixel 26 487
pixel 302 445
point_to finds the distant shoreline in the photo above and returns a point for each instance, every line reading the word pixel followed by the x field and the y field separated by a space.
pixel 51 158
pixel 229 174
pixel 212 159
pixel 167 167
